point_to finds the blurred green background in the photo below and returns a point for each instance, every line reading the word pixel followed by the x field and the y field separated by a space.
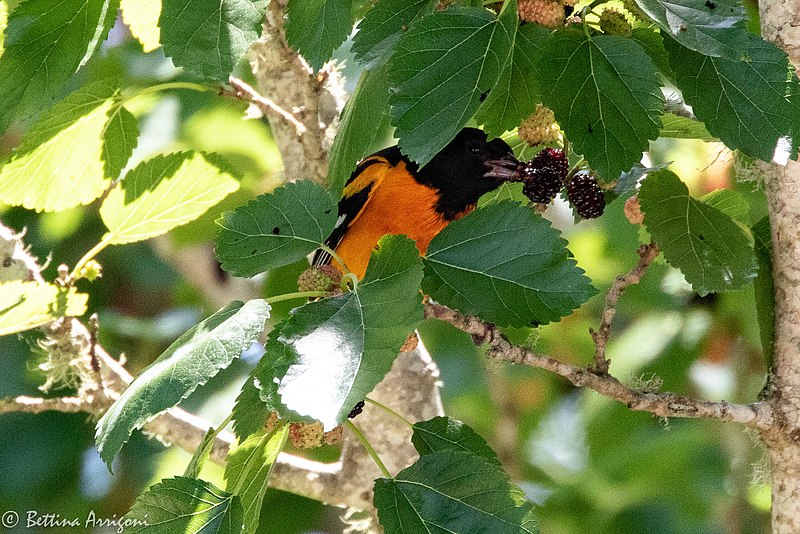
pixel 589 464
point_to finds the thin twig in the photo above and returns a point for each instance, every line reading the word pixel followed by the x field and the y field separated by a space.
pixel 39 405
pixel 243 91
pixel 647 253
pixel 664 404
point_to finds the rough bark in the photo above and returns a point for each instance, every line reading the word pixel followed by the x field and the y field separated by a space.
pixel 780 23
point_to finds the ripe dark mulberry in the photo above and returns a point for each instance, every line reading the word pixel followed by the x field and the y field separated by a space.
pixel 586 196
pixel 544 175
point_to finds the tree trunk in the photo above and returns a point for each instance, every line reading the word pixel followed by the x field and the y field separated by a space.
pixel 780 23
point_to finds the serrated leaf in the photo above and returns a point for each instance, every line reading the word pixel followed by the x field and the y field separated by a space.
pixel 710 249
pixel 46 42
pixel 383 25
pixel 331 353
pixel 749 105
pixel 677 127
pixel 731 203
pixel 26 305
pixel 247 470
pixel 275 229
pixel 120 138
pixel 515 96
pixel 315 28
pixel 61 162
pixel 764 286
pixel 190 361
pixel 162 193
pixel 507 265
pixel 507 191
pixel 250 412
pixel 453 491
pixel 606 96
pixel 363 127
pixel 208 37
pixel 447 434
pixel 653 45
pixel 183 504
pixel 141 17
pixel 713 28
pixel 438 71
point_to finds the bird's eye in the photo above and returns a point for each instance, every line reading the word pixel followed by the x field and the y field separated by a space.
pixel 475 149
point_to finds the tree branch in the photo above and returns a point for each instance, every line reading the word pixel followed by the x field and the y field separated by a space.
pixel 756 415
pixel 647 253
pixel 243 91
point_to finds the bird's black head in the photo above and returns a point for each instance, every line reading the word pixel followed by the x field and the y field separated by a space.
pixel 466 168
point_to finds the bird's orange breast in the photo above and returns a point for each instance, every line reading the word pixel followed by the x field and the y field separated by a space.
pixel 398 204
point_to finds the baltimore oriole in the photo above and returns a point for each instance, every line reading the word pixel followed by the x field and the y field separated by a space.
pixel 390 194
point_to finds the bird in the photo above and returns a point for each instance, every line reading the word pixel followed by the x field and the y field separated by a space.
pixel 390 194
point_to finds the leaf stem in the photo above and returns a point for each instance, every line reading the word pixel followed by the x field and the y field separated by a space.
pixel 335 256
pixel 94 251
pixel 166 87
pixel 389 411
pixel 363 439
pixel 296 295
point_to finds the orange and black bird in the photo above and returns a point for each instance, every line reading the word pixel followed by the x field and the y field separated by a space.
pixel 390 194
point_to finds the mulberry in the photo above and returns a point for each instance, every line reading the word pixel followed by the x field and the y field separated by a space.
pixel 545 12
pixel 586 196
pixel 544 175
pixel 540 128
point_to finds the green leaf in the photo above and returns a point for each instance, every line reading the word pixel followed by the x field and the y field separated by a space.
pixel 69 156
pixel 505 264
pixel 678 127
pixel 208 37
pixel 453 491
pixel 606 96
pixel 201 454
pixel 515 96
pixel 653 45
pixel 438 72
pixel 3 24
pixel 315 28
pixel 731 203
pixel 248 468
pixel 275 229
pixel 749 105
pixel 331 353
pixel 162 193
pixel 710 249
pixel 507 191
pixel 141 17
pixel 250 412
pixel 190 361
pixel 383 25
pixel 26 305
pixel 46 42
pixel 119 139
pixel 713 28
pixel 765 288
pixel 363 127
pixel 183 504
pixel 447 434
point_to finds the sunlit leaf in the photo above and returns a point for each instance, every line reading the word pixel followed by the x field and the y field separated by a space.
pixel 141 16
pixel 162 193
pixel 247 470
pixel 331 353
pixel 26 305
pixel 190 361
pixel 185 505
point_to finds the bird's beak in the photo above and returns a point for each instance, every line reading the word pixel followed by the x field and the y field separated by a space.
pixel 502 168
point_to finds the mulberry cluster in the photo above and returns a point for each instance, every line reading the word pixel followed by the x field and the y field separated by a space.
pixel 549 13
pixel 633 8
pixel 613 22
pixel 586 196
pixel 311 435
pixel 543 175
pixel 540 128
pixel 319 278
